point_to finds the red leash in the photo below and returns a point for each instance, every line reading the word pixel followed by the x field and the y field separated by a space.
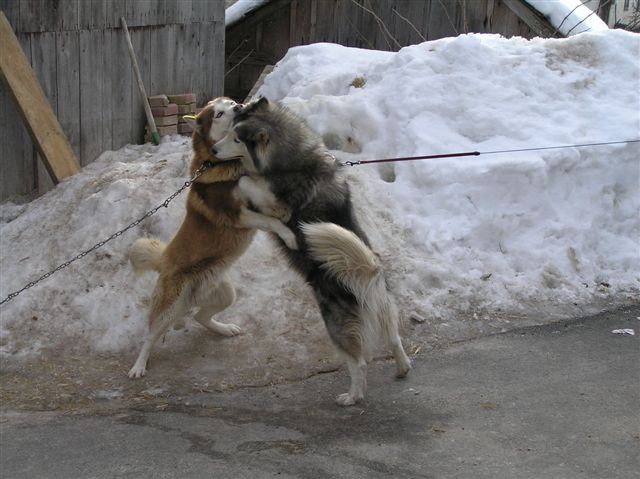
pixel 478 153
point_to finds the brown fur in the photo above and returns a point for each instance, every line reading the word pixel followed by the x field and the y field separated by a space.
pixel 208 236
pixel 192 267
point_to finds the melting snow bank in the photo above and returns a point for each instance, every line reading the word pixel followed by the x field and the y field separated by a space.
pixel 471 244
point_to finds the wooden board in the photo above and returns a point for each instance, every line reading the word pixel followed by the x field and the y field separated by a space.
pixel 43 59
pixel 50 140
pixel 68 80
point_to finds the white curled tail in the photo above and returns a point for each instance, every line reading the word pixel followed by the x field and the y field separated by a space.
pixel 146 254
pixel 346 257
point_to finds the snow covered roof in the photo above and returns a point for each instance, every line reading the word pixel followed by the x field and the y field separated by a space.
pixel 569 17
pixel 241 8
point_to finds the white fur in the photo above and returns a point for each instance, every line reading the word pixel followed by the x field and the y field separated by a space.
pixel 212 292
pixel 223 113
pixel 231 147
pixel 352 263
pixel 146 254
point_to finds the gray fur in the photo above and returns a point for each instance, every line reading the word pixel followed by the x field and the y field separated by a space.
pixel 301 174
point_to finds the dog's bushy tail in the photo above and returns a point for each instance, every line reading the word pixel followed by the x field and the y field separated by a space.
pixel 345 256
pixel 146 254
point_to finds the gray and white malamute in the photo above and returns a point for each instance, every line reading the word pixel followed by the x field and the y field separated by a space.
pixel 288 164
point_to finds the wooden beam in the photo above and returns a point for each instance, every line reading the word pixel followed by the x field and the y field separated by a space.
pixel 534 20
pixel 43 126
pixel 268 69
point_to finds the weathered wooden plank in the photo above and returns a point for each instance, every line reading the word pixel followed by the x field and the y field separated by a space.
pixel 181 60
pixel 11 9
pixel 366 26
pixel 192 80
pixel 85 15
pixel 198 11
pixel 68 81
pixel 107 90
pixel 91 94
pixel 275 34
pixel 215 12
pixel 32 15
pixel 68 15
pixel 141 40
pixel 324 29
pixel 351 23
pixel 314 21
pixel 141 13
pixel 43 60
pixel 56 15
pixel 532 18
pixel 408 21
pixel 183 11
pixel 161 11
pixel 121 94
pixel 442 20
pixel 383 37
pixel 114 10
pixel 34 107
pixel 178 11
pixel 476 15
pixel 163 49
pixel 254 89
pixel 16 150
pixel 212 61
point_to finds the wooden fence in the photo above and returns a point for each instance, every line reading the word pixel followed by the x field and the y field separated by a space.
pixel 264 36
pixel 78 51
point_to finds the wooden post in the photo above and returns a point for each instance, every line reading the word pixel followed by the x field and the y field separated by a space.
pixel 143 92
pixel 41 122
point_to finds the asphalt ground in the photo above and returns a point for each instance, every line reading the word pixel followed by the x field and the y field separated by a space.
pixel 555 401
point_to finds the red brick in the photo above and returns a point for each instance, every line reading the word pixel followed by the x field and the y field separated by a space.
pixel 184 128
pixel 188 108
pixel 166 120
pixel 158 100
pixel 171 109
pixel 166 130
pixel 183 98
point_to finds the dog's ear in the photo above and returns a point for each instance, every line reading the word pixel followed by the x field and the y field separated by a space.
pixel 262 137
pixel 256 106
pixel 192 121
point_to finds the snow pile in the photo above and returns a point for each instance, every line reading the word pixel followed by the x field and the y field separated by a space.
pixel 240 9
pixel 469 243
pixel 569 17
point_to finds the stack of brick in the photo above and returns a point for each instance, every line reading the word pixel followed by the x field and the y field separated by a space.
pixel 168 112
pixel 165 114
pixel 186 106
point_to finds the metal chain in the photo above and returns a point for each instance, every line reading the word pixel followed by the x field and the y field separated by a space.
pixel 164 204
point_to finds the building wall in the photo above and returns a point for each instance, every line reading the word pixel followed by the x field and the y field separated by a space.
pixel 615 12
pixel 79 53
pixel 265 35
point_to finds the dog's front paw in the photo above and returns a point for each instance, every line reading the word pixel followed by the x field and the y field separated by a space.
pixel 281 212
pixel 289 239
pixel 348 399
pixel 137 371
pixel 229 330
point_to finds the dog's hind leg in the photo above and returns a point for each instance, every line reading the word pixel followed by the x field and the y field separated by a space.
pixel 403 363
pixel 167 305
pixel 346 332
pixel 221 298
pixel 390 322
pixel 358 372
